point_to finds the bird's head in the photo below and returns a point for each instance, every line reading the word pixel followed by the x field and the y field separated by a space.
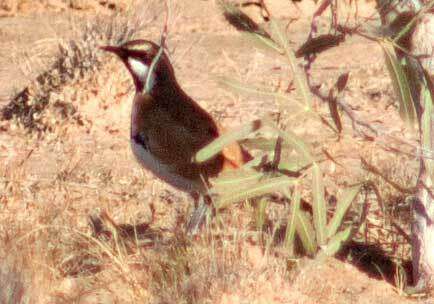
pixel 147 62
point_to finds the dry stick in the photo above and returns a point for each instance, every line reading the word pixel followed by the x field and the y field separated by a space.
pixel 264 9
pixel 314 24
pixel 187 50
pixel 164 33
pixel 371 168
pixel 322 94
pixel 401 231
pixel 356 122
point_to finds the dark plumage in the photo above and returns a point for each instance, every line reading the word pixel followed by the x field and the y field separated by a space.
pixel 167 126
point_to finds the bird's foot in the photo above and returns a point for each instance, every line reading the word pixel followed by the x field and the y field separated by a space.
pixel 199 216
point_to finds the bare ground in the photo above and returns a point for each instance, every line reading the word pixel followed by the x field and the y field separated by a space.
pixel 52 181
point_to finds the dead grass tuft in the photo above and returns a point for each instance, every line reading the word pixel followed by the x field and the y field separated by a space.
pixel 78 59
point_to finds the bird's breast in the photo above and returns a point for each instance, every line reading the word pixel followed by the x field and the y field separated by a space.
pixel 163 170
pixel 165 139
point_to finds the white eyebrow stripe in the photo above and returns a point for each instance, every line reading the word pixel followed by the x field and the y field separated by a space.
pixel 139 68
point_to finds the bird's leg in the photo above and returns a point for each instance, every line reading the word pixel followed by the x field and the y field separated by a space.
pixel 199 215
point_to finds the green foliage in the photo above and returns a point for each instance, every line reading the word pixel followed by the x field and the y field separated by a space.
pixel 300 79
pixel 344 204
pixel 283 160
pixel 306 232
pixel 319 205
pixel 426 127
pixel 291 224
pixel 400 83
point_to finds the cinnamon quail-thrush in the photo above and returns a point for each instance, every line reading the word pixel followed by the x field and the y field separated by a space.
pixel 168 127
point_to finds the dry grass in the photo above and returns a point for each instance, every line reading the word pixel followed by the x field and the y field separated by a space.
pixel 20 7
pixel 49 253
pixel 78 59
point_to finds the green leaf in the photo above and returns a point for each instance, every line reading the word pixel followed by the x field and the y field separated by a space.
pixel 343 205
pixel 217 145
pixel 336 242
pixel 262 187
pixel 290 226
pixel 243 88
pixel 319 205
pixel 427 144
pixel 293 164
pixel 305 231
pixel 298 144
pixel 290 139
pixel 262 143
pixel 240 178
pixel 400 83
pixel 257 92
pixel 254 162
pixel 405 30
pixel 300 80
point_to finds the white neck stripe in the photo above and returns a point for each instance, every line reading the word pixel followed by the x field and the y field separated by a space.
pixel 139 68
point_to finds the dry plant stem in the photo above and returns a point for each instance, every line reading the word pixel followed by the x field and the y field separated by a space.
pixel 356 122
pixel 323 93
pixel 315 18
pixel 264 9
pixel 378 172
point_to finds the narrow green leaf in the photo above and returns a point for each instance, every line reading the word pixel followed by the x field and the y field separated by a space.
pixel 298 144
pixel 336 242
pixel 427 143
pixel 305 231
pixel 343 205
pixel 300 80
pixel 400 83
pixel 250 89
pixel 230 177
pixel 290 226
pixel 254 162
pixel 289 139
pixel 410 25
pixel 261 143
pixel 319 205
pixel 260 188
pixel 292 139
pixel 289 163
pixel 241 178
pixel 293 165
pixel 263 42
pixel 255 91
pixel 219 143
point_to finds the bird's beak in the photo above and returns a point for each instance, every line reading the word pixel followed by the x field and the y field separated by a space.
pixel 114 49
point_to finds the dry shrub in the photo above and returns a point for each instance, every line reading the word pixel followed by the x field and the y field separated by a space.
pixel 77 59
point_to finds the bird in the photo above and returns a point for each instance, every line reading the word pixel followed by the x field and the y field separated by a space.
pixel 168 127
